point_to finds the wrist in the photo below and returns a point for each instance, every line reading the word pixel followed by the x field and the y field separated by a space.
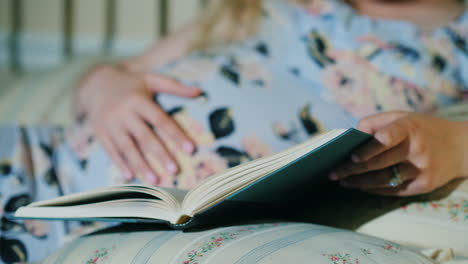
pixel 86 87
pixel 92 91
pixel 462 135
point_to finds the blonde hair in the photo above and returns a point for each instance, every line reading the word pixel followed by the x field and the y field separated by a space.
pixel 228 21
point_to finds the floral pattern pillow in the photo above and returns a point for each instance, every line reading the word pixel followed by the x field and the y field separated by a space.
pixel 258 243
pixel 433 222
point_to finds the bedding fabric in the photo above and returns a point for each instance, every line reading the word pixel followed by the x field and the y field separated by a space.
pixel 434 223
pixel 259 243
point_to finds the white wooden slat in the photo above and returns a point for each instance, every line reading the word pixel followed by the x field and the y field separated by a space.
pixel 42 16
pixel 4 34
pixel 89 26
pixel 136 25
pixel 41 39
pixel 181 11
pixel 4 16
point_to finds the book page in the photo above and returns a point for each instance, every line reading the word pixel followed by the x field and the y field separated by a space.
pixel 126 208
pixel 172 196
pixel 177 194
pixel 117 201
pixel 207 194
pixel 221 179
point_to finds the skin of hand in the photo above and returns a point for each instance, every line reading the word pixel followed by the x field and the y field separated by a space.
pixel 428 151
pixel 118 100
pixel 134 129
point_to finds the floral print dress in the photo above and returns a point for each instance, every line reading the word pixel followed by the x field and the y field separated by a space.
pixel 306 71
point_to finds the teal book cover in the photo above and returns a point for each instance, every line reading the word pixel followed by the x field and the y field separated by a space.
pixel 261 198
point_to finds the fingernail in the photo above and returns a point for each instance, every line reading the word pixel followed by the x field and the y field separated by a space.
pixel 171 168
pixel 355 158
pixel 127 175
pixel 188 147
pixel 151 177
pixel 382 138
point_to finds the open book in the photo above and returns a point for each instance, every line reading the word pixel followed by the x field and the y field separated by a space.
pixel 265 181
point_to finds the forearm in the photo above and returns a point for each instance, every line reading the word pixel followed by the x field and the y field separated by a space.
pixel 166 50
pixel 456 114
pixel 463 135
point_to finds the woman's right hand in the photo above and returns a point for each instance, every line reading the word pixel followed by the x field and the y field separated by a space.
pixel 132 127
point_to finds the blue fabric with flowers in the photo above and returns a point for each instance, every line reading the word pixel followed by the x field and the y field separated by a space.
pixel 306 71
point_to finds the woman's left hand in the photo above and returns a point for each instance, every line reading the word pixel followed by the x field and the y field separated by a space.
pixel 410 154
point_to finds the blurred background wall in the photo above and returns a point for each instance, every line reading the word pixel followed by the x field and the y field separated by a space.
pixel 46 45
pixel 45 33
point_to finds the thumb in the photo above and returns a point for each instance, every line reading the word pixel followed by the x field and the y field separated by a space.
pixel 162 84
pixel 373 123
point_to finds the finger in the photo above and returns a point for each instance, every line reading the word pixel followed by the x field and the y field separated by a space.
pixel 372 123
pixel 388 158
pixel 164 84
pixel 380 178
pixel 117 158
pixel 384 139
pixel 134 157
pixel 390 191
pixel 152 147
pixel 165 125
pixel 422 184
